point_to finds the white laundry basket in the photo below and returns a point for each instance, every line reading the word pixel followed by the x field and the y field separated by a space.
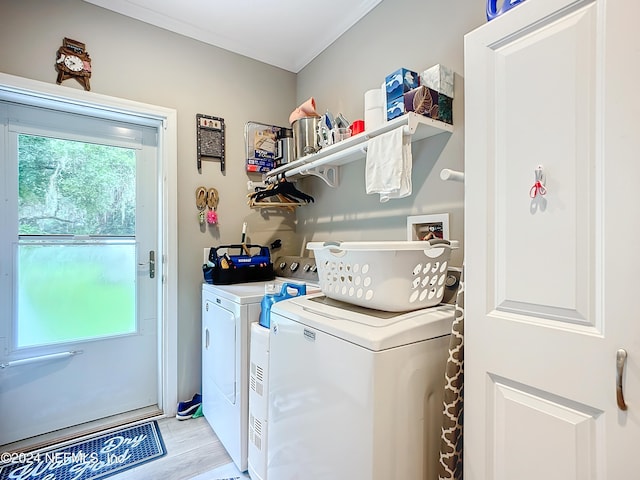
pixel 389 276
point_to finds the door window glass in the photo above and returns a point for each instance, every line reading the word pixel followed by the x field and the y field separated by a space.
pixel 70 187
pixel 76 251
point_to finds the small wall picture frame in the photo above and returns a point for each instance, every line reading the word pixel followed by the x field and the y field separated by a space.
pixel 426 227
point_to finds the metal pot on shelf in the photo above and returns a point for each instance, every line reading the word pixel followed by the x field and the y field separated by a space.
pixel 305 136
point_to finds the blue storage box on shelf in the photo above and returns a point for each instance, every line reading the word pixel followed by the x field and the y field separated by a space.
pixel 395 108
pixel 224 268
pixel 396 84
pixel 400 81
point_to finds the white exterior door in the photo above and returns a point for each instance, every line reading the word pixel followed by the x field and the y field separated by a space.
pixel 551 280
pixel 78 317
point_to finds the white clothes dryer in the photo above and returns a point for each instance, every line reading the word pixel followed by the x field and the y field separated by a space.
pixel 354 393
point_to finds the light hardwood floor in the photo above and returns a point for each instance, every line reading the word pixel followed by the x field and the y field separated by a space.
pixel 192 449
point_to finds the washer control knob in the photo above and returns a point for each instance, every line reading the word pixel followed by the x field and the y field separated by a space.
pixel 306 267
pixel 282 265
pixel 314 268
pixel 294 266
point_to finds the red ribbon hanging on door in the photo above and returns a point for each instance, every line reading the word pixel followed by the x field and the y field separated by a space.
pixel 538 187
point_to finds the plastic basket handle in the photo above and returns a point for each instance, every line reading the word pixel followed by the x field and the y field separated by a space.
pixel 437 246
pixel 340 249
pixel 334 248
pixel 331 244
pixel 439 242
pixel 432 242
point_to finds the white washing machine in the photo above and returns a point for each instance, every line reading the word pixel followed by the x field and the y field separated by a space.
pixel 227 314
pixel 355 394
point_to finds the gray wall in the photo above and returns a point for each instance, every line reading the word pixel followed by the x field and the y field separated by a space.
pixel 140 62
pixel 415 34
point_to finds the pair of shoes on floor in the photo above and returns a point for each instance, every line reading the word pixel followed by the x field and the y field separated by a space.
pixel 187 409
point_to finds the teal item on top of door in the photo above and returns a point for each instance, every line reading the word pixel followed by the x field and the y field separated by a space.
pixel 271 298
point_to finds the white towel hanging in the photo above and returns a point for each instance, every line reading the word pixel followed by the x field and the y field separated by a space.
pixel 388 165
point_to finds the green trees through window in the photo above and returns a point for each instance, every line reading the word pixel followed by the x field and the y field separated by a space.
pixel 75 188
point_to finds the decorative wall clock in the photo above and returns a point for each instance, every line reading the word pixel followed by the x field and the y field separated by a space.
pixel 73 61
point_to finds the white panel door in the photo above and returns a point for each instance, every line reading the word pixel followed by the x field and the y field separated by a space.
pixel 551 87
pixel 78 304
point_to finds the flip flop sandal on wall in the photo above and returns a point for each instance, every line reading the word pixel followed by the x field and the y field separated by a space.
pixel 201 203
pixel 212 202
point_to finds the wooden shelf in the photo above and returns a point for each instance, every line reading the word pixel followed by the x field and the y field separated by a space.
pixel 323 163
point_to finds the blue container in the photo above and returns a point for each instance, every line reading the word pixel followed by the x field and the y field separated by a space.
pixel 492 7
pixel 400 82
pixel 269 299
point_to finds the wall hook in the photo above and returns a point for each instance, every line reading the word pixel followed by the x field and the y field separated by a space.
pixel 538 186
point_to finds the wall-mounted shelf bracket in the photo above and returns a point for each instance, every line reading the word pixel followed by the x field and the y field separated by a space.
pixel 328 173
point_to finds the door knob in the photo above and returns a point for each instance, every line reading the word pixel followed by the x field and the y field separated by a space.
pixel 621 358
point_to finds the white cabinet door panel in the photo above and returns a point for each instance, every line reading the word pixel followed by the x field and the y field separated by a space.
pixel 543 266
pixel 550 282
pixel 524 419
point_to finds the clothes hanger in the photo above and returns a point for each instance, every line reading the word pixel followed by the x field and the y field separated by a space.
pixel 282 188
pixel 287 188
pixel 283 203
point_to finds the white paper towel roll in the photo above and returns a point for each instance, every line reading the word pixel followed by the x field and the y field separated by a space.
pixel 373 99
pixel 374 108
pixel 373 118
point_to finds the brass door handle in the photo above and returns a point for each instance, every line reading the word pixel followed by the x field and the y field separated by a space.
pixel 621 358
